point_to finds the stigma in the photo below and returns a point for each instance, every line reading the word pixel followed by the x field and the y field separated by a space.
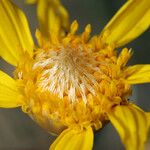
pixel 68 72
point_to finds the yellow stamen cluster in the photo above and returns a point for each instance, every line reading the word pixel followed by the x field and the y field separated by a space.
pixel 73 81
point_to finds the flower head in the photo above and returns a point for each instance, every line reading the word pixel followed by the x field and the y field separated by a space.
pixel 73 84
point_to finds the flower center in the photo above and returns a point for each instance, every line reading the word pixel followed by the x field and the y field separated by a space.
pixel 72 84
pixel 68 71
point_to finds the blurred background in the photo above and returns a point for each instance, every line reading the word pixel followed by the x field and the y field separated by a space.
pixel 19 132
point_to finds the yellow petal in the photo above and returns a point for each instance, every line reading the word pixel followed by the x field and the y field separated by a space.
pixel 15 37
pixel 31 1
pixel 53 17
pixel 132 125
pixel 9 95
pixel 129 22
pixel 70 139
pixel 138 74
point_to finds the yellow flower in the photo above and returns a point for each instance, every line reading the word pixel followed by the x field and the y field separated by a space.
pixel 71 84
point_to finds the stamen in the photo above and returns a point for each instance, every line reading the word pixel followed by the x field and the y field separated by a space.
pixel 68 72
